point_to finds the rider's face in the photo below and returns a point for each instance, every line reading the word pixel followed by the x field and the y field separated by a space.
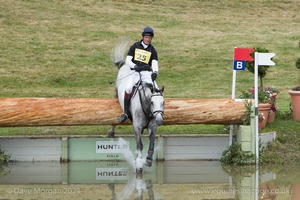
pixel 147 39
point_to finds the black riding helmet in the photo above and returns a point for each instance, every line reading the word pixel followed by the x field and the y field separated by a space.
pixel 148 31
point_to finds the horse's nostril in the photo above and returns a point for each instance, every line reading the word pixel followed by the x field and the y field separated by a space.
pixel 159 122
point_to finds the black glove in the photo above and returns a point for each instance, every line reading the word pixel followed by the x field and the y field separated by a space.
pixel 140 68
pixel 136 68
pixel 146 68
pixel 154 76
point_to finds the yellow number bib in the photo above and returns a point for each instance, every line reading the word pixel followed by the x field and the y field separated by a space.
pixel 142 55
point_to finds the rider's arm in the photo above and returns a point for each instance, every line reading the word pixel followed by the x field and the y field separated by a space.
pixel 129 62
pixel 154 66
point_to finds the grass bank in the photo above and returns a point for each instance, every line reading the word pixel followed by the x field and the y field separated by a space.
pixel 62 49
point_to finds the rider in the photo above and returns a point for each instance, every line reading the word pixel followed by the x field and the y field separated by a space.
pixel 142 57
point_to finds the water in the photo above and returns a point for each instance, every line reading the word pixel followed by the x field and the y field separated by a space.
pixel 130 158
pixel 164 180
pixel 135 161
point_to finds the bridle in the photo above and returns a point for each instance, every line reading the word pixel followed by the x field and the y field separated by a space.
pixel 147 107
pixel 157 95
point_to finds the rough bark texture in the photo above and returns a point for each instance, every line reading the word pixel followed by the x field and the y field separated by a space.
pixel 204 111
pixel 106 111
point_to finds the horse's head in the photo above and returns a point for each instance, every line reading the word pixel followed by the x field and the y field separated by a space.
pixel 158 105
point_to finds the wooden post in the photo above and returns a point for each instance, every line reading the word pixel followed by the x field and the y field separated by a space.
pixel 21 112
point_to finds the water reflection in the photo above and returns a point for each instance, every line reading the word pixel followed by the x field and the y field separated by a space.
pixel 265 182
pixel 137 186
pixel 164 180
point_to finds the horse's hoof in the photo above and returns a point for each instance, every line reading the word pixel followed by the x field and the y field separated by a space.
pixel 139 171
pixel 111 134
pixel 148 162
pixel 139 175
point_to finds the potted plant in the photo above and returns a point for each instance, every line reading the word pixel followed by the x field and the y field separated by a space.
pixel 273 95
pixel 266 101
pixel 295 97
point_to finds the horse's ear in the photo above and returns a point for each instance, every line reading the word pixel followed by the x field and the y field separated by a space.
pixel 162 89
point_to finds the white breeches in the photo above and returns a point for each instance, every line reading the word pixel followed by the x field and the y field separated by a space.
pixel 135 77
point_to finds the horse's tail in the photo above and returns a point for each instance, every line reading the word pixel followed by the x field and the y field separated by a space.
pixel 118 53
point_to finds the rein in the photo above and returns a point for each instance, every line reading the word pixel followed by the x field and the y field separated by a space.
pixel 144 103
pixel 125 76
pixel 140 88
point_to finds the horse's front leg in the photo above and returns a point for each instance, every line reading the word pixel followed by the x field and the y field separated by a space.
pixel 139 146
pixel 111 132
pixel 151 131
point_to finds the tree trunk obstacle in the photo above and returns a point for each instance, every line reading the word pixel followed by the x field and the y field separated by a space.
pixel 23 112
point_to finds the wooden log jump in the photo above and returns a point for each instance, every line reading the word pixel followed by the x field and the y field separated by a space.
pixel 22 112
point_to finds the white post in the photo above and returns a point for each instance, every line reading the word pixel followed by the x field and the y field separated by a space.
pixel 233 97
pixel 256 182
pixel 256 58
pixel 233 84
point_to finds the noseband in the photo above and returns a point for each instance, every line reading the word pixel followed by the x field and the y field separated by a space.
pixel 158 97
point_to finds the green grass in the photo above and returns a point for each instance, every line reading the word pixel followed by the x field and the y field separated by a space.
pixel 102 130
pixel 62 49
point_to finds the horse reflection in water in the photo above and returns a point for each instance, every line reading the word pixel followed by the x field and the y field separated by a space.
pixel 136 186
pixel 146 107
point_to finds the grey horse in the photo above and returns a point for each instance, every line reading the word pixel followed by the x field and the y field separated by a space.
pixel 146 107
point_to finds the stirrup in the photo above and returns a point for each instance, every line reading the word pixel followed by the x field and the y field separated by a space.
pixel 123 118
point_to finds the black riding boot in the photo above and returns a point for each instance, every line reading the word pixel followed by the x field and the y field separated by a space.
pixel 124 116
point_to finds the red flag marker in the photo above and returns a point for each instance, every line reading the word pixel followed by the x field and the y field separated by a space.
pixel 243 54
